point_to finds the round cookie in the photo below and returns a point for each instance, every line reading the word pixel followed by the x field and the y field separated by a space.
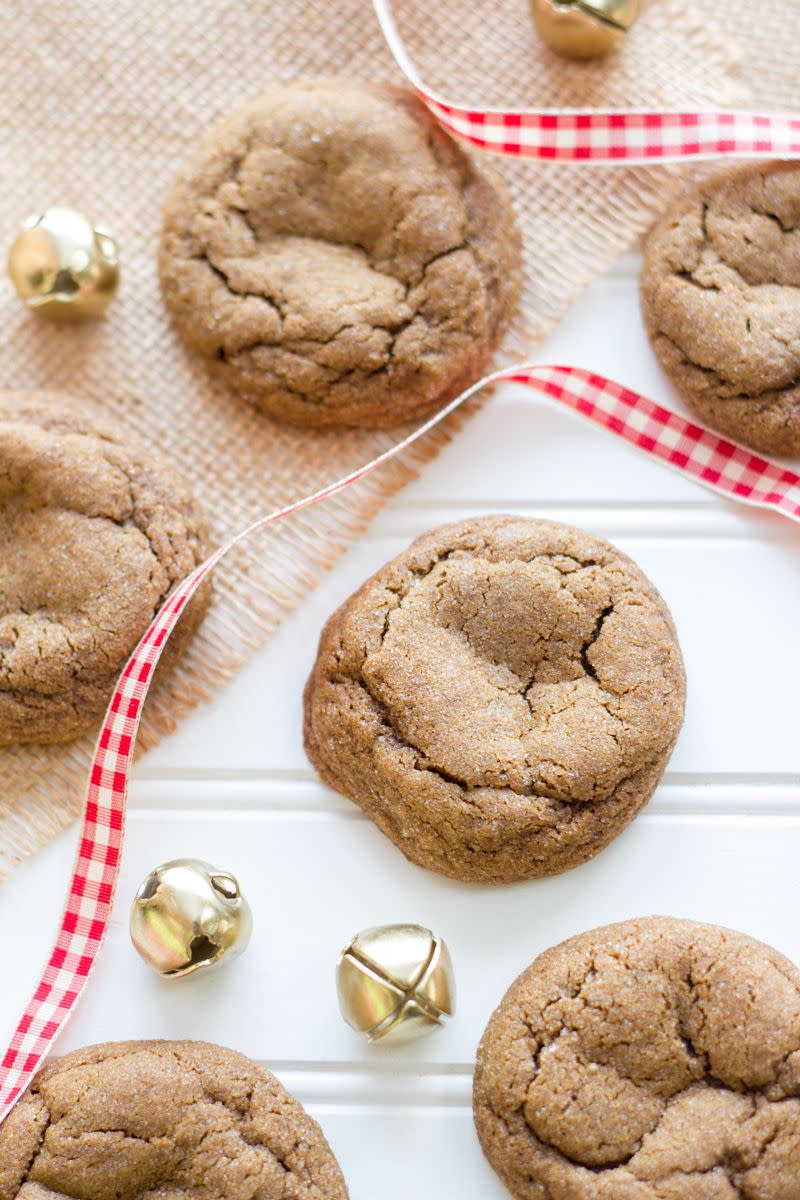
pixel 94 534
pixel 720 288
pixel 501 699
pixel 337 257
pixel 656 1059
pixel 140 1120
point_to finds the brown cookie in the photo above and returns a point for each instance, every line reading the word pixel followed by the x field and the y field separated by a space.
pixel 146 1120
pixel 656 1059
pixel 94 534
pixel 337 257
pixel 501 699
pixel 720 289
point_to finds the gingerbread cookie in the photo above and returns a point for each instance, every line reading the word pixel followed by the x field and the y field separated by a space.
pixel 140 1120
pixel 338 258
pixel 94 534
pixel 720 291
pixel 501 699
pixel 656 1059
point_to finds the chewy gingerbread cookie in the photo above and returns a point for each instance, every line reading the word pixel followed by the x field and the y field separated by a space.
pixel 146 1120
pixel 501 699
pixel 656 1059
pixel 94 534
pixel 338 258
pixel 720 289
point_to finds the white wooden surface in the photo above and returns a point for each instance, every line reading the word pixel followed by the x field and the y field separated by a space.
pixel 719 842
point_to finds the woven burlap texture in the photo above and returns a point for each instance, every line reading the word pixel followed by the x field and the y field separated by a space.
pixel 99 103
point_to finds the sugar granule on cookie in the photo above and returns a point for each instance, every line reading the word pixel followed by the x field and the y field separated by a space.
pixel 339 259
pixel 94 534
pixel 720 288
pixel 501 699
pixel 656 1059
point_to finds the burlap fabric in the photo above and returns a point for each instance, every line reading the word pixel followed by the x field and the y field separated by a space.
pixel 99 101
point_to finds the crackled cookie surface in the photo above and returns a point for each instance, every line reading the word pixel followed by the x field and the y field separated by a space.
pixel 337 257
pixel 501 699
pixel 140 1120
pixel 94 533
pixel 656 1059
pixel 720 291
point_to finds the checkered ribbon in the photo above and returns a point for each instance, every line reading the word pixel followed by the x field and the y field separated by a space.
pixel 603 136
pixel 730 470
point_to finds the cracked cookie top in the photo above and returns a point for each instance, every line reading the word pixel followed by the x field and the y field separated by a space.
pixel 720 289
pixel 94 533
pixel 337 257
pixel 501 698
pixel 656 1059
pixel 136 1120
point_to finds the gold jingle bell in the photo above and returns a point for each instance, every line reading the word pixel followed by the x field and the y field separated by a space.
pixel 187 916
pixel 584 28
pixel 395 981
pixel 63 266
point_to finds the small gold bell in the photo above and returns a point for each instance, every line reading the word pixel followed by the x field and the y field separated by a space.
pixel 584 28
pixel 187 916
pixel 63 266
pixel 395 980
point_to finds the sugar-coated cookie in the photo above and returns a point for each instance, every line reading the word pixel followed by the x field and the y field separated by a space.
pixel 656 1059
pixel 337 257
pixel 501 698
pixel 145 1120
pixel 94 534
pixel 720 289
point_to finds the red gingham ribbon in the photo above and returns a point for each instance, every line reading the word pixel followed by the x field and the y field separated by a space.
pixel 729 469
pixel 600 135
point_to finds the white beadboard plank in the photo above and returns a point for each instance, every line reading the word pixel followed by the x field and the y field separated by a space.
pixel 410 1132
pixel 734 602
pixel 377 1084
pixel 190 795
pixel 523 447
pixel 394 1154
pixel 722 520
pixel 314 878
pixel 719 841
